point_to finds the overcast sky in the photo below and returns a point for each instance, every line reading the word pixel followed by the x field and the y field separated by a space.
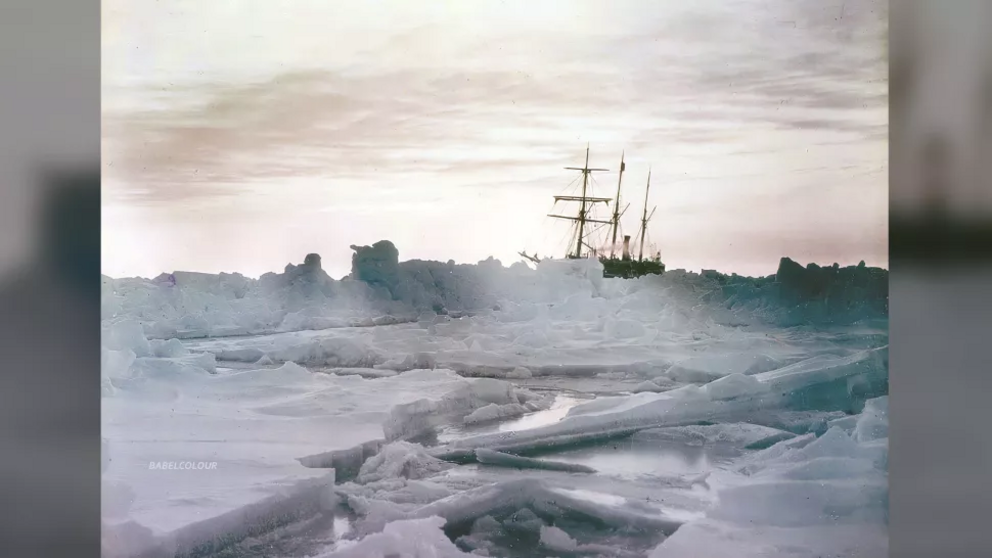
pixel 242 135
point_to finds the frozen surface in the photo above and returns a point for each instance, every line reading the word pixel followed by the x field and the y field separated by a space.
pixel 442 409
pixel 253 425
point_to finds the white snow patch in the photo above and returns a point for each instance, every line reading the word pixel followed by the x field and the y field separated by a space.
pixel 624 329
pixel 651 386
pixel 557 540
pixel 873 423
pixel 126 335
pixel 409 538
pixel 499 398
pixel 400 460
pixel 519 372
pixel 172 348
pixel 493 412
pixel 735 385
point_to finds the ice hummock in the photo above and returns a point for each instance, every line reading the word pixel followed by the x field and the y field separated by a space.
pixel 381 290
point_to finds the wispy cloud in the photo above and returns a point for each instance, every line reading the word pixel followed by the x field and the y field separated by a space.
pixel 499 96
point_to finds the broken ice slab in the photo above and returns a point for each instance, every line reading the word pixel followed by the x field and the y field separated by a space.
pixel 346 462
pixel 297 502
pixel 470 505
pixel 717 538
pixel 828 383
pixel 745 435
pixel 824 380
pixel 490 457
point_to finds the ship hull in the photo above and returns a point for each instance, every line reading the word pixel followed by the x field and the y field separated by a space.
pixel 629 269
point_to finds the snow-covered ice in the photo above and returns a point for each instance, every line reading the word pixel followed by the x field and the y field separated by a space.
pixel 253 426
pixel 433 409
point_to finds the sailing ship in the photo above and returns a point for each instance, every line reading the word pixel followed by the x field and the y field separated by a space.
pixel 585 228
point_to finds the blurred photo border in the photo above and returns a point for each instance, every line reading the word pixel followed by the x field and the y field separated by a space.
pixel 50 278
pixel 940 253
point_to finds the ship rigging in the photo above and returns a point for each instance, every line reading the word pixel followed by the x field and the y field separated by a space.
pixel 625 265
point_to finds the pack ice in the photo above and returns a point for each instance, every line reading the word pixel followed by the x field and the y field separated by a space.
pixel 423 408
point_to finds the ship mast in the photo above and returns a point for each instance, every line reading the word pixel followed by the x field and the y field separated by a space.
pixel 645 218
pixel 584 200
pixel 616 210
